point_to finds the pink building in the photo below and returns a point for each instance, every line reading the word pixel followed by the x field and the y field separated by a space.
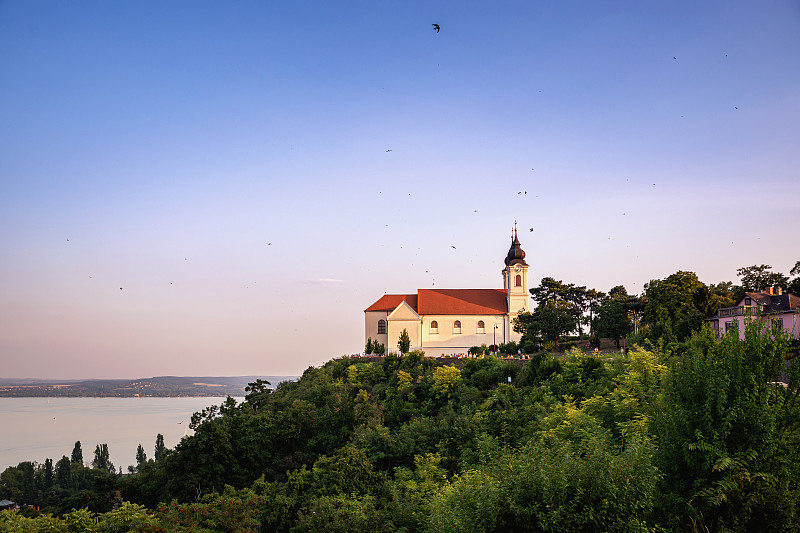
pixel 771 307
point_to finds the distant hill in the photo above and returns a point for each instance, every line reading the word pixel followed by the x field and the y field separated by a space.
pixel 161 386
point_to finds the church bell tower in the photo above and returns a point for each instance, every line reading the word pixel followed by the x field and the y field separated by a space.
pixel 515 278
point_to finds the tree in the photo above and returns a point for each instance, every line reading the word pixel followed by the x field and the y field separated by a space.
pixel 369 348
pixel 378 348
pixel 102 460
pixel 760 277
pixel 550 289
pixel 64 473
pixel 727 434
pixel 709 299
pixel 578 296
pixel 558 311
pixel 670 308
pixel 141 457
pixel 404 342
pixel 548 322
pixel 612 320
pixel 446 379
pixel 48 473
pixel 594 299
pixel 160 448
pixel 794 285
pixel 77 453
pixel 258 393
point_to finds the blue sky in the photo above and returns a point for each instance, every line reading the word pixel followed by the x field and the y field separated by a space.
pixel 200 188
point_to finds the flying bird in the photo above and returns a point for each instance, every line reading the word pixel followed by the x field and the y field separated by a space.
pixel 436 27
pixel 389 150
pixel 453 247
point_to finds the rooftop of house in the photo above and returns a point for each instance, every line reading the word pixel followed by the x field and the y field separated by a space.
pixel 769 302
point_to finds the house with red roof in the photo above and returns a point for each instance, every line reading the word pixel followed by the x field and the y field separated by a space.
pixel 772 307
pixel 451 321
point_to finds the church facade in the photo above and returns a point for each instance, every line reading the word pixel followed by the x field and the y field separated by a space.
pixel 450 321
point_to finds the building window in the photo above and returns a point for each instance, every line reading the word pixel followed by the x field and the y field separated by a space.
pixel 778 323
pixel 518 281
pixel 381 326
pixel 481 327
pixel 434 326
pixel 748 301
pixel 457 326
pixel 731 325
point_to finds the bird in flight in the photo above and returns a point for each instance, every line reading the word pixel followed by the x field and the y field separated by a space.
pixel 436 27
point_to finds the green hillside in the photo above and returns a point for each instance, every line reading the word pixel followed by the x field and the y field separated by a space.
pixel 697 436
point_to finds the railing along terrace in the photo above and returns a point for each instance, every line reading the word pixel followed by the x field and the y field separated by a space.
pixel 747 310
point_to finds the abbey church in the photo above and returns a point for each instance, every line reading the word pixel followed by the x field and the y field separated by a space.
pixel 450 321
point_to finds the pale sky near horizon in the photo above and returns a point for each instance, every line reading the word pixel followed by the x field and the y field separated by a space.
pixel 206 188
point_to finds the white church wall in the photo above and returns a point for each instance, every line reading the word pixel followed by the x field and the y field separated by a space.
pixel 371 319
pixel 448 341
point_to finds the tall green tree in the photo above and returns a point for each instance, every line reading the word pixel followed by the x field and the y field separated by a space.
pixel 670 310
pixel 549 321
pixel 47 473
pixel 709 299
pixel 578 296
pixel 158 453
pixel 404 342
pixel 64 473
pixel 77 453
pixel 761 277
pixel 612 320
pixel 594 299
pixel 102 459
pixel 141 457
pixel 258 393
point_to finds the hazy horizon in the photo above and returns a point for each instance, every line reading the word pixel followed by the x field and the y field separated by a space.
pixel 222 189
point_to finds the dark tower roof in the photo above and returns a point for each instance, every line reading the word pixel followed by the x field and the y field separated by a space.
pixel 515 254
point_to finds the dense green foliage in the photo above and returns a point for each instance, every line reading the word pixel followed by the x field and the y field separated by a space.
pixel 643 441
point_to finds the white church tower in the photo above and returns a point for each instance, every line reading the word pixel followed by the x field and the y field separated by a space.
pixel 515 282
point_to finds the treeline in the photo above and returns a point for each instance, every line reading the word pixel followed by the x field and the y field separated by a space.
pixel 645 441
pixel 69 483
pixel 669 310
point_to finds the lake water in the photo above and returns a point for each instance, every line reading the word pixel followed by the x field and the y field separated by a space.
pixel 34 429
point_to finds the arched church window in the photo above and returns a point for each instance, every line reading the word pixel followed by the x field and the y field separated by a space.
pixel 434 326
pixel 457 326
pixel 381 326
pixel 518 281
pixel 481 327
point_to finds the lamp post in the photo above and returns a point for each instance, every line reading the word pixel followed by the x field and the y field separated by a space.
pixel 494 339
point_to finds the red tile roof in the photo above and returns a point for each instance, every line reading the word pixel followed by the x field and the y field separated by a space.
pixel 447 302
pixel 462 302
pixel 389 302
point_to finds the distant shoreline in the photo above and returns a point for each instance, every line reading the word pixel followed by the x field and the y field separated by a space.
pixel 155 387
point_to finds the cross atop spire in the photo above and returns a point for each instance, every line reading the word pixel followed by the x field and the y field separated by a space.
pixel 515 253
